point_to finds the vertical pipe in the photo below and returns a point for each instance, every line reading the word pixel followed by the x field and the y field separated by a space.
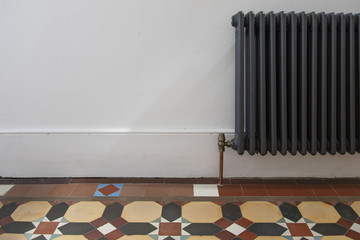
pixel 262 85
pixel 293 91
pixel 333 92
pixel 252 80
pixel 303 85
pixel 283 86
pixel 323 88
pixel 351 86
pixel 313 84
pixel 272 85
pixel 342 83
pixel 238 23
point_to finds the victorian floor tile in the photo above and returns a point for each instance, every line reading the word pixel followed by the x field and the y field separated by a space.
pixel 346 212
pixel 84 211
pixel 301 190
pixel 4 189
pixel 11 236
pixel 200 212
pixel 329 229
pixel 181 190
pixel 230 190
pixel 7 210
pixel 254 190
pixel 323 190
pixel 113 211
pixel 136 190
pixel 202 229
pixel 57 211
pixel 76 228
pixel 85 189
pixel 171 212
pixel 345 189
pixel 145 211
pixel 152 190
pixel 319 212
pixel 108 190
pixel 231 212
pixel 260 211
pixel 137 228
pixel 31 211
pixel 18 191
pixel 206 190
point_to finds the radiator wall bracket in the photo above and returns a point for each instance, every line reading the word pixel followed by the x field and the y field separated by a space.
pixel 222 143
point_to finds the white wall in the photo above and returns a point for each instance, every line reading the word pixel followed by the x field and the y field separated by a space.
pixel 131 88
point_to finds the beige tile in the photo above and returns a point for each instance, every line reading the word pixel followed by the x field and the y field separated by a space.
pixel 201 212
pixel 335 238
pixel 62 190
pixel 141 211
pixel 18 191
pixel 31 211
pixel 84 190
pixel 261 211
pixel 84 211
pixel 356 207
pixel 132 190
pixel 319 212
pixel 270 238
pixel 1 205
pixel 71 237
pixel 136 237
pixel 11 236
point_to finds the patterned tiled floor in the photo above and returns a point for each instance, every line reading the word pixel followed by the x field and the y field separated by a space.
pixel 194 220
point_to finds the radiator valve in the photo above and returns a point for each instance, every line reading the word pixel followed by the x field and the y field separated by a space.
pixel 222 143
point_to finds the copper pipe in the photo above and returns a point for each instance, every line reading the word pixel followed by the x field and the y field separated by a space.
pixel 221 169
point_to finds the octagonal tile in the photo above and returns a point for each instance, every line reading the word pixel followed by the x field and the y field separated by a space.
pixel 71 237
pixel 1 205
pixel 31 211
pixel 11 236
pixel 201 212
pixel 356 207
pixel 203 238
pixel 261 211
pixel 136 237
pixel 84 211
pixel 336 238
pixel 141 211
pixel 319 212
pixel 270 238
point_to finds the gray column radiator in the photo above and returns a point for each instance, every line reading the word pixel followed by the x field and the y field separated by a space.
pixel 297 83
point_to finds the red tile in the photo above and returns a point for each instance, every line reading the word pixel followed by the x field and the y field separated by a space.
pixel 5 221
pixel 345 190
pixel 173 229
pixel 247 235
pixel 1 231
pixel 254 190
pixel 84 190
pixel 230 190
pixel 153 190
pixel 225 235
pixel 46 228
pixel 118 222
pixel 109 189
pixel 137 190
pixel 299 229
pixel 352 234
pixel 181 190
pixel 93 235
pixel 278 189
pixel 344 222
pixel 116 234
pixel 301 190
pixel 323 190
pixel 99 222
pixel 223 223
pixel 245 223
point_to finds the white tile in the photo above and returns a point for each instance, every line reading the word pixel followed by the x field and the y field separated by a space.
pixel 4 189
pixel 235 229
pixel 107 228
pixel 355 227
pixel 206 190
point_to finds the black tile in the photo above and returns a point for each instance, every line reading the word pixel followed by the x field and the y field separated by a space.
pixel 18 227
pixel 41 237
pixel 231 212
pixel 137 228
pixel 113 211
pixel 171 212
pixel 346 212
pixel 208 229
pixel 236 238
pixel 290 212
pixel 76 228
pixel 267 229
pixel 169 238
pixel 7 210
pixel 103 238
pixel 327 229
pixel 57 211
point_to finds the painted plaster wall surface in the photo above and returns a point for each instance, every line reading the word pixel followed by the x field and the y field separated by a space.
pixel 132 88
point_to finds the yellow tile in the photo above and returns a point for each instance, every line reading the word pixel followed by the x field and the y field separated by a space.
pixel 319 212
pixel 270 238
pixel 1 205
pixel 203 238
pixel 31 211
pixel 356 207
pixel 141 211
pixel 84 212
pixel 11 236
pixel 201 212
pixel 335 238
pixel 71 237
pixel 261 211
pixel 136 237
